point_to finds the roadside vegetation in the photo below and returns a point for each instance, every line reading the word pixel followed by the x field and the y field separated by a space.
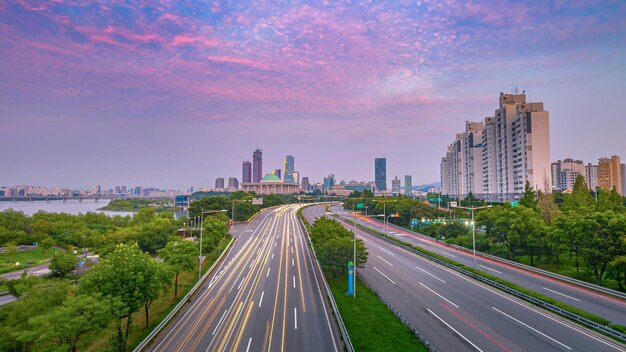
pixel 576 236
pixel 370 324
pixel 110 303
pixel 134 204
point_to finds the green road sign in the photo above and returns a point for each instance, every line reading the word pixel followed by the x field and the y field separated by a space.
pixel 439 199
pixel 359 206
pixel 431 199
pixel 514 204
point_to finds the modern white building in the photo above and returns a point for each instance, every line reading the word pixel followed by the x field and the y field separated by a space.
pixel 494 159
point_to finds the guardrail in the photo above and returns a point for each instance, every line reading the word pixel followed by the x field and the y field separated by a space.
pixel 550 274
pixel 342 328
pixel 604 329
pixel 416 332
pixel 183 301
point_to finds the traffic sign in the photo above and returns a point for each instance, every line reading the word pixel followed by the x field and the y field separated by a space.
pixel 359 206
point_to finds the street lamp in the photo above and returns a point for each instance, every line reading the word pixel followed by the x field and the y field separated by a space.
pixel 472 208
pixel 201 232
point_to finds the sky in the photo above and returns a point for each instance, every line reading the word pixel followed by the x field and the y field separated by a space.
pixel 173 94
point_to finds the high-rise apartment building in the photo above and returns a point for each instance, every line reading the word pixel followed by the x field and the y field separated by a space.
pixel 257 166
pixel 408 185
pixel 306 185
pixel 380 174
pixel 565 172
pixel 495 159
pixel 395 185
pixel 289 164
pixel 233 183
pixel 246 174
pixel 219 183
pixel 623 172
pixel 591 176
pixel 610 173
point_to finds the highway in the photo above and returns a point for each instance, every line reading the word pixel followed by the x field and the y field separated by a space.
pixel 608 307
pixel 264 296
pixel 456 313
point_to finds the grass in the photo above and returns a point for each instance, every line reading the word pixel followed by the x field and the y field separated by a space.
pixel 26 259
pixel 158 311
pixel 370 324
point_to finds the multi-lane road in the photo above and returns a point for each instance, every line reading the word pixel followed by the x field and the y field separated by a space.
pixel 608 307
pixel 456 313
pixel 264 297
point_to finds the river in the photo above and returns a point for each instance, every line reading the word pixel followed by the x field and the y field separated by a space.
pixel 58 206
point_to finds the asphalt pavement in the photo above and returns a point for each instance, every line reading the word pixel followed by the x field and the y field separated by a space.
pixel 263 297
pixel 609 307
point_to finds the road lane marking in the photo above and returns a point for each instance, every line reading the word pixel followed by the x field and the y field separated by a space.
pixel 488 268
pixel 291 249
pixel 292 262
pixel 261 300
pixel 295 317
pixel 562 294
pixel 430 274
pixel 248 348
pixel 531 328
pixel 275 244
pixel 268 272
pixel 220 322
pixel 386 251
pixel 381 258
pixel 386 277
pixel 440 296
pixel 242 280
pixel 453 329
pixel 272 255
pixel 446 253
pixel 251 263
pixel 294 282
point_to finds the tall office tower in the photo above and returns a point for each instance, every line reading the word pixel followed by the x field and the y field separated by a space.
pixel 591 176
pixel 246 176
pixel 306 185
pixel 219 183
pixel 257 166
pixel 329 182
pixel 124 189
pixel 380 173
pixel 395 185
pixel 277 173
pixel 98 189
pixel 289 164
pixel 610 173
pixel 233 183
pixel 408 185
pixel 296 177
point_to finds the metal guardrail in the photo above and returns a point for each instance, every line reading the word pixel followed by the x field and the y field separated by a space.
pixel 416 332
pixel 547 273
pixel 183 301
pixel 342 328
pixel 592 324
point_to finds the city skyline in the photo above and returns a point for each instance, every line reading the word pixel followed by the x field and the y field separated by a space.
pixel 176 95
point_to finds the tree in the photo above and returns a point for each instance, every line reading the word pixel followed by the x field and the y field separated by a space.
pixel 528 198
pixel 46 244
pixel 572 230
pixel 215 230
pixel 181 256
pixel 144 215
pixel 579 199
pixel 129 275
pixel 76 317
pixel 11 250
pixel 548 210
pixel 610 201
pixel 619 267
pixel 603 241
pixel 154 288
pixel 153 235
pixel 62 263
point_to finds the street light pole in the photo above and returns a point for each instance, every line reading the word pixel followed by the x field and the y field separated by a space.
pixel 200 256
pixel 354 241
pixel 472 208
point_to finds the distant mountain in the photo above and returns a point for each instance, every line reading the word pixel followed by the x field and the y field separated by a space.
pixel 426 187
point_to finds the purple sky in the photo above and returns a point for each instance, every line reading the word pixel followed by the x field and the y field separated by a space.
pixel 175 95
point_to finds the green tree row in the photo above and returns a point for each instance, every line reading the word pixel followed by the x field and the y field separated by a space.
pixel 334 247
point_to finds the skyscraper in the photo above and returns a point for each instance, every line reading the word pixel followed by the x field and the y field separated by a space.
pixel 257 166
pixel 408 185
pixel 246 176
pixel 306 186
pixel 277 172
pixel 233 183
pixel 219 183
pixel 289 161
pixel 296 177
pixel 395 185
pixel 380 173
